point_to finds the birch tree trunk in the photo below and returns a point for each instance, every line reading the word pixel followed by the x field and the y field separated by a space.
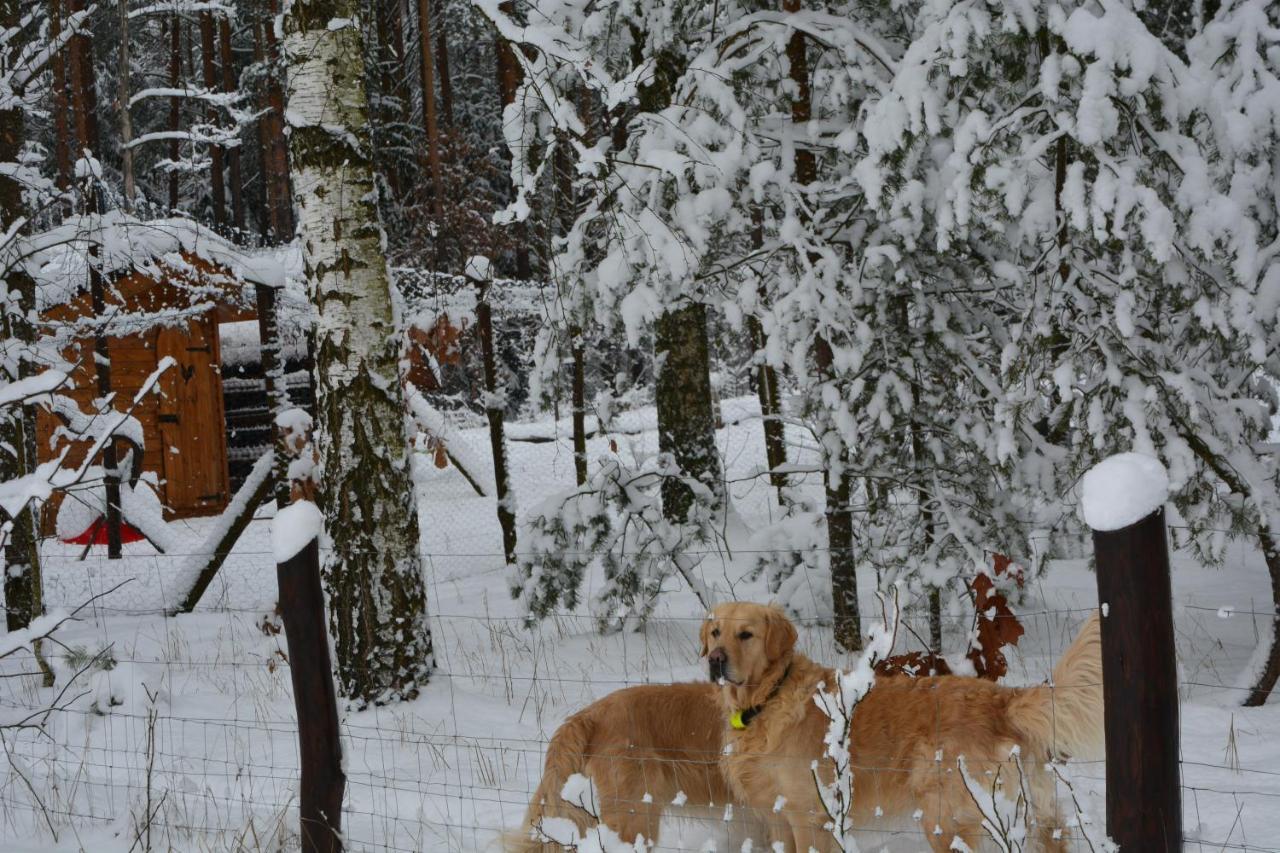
pixel 373 574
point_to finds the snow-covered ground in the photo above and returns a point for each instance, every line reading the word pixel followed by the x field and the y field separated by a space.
pixel 204 730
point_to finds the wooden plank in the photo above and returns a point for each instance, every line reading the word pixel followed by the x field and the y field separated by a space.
pixel 191 420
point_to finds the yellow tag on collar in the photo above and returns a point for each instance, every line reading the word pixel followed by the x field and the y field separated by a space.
pixel 735 720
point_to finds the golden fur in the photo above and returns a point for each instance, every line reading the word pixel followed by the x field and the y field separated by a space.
pixel 657 739
pixel 906 735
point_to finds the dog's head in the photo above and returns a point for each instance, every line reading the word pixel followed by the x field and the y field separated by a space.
pixel 741 640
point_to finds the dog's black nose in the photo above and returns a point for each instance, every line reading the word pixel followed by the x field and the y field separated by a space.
pixel 717 663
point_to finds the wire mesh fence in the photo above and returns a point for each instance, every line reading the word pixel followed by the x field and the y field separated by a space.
pixel 185 738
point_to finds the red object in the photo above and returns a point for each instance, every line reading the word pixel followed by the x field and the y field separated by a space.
pixel 96 534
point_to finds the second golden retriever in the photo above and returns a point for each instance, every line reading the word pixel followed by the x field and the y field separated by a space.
pixel 907 735
pixel 645 749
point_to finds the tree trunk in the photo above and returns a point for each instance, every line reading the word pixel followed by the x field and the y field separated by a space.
pixel 373 573
pixel 579 411
pixel 509 77
pixel 126 118
pixel 23 590
pixel 61 129
pixel 215 151
pixel 442 66
pixel 85 109
pixel 429 115
pixel 775 443
pixel 175 107
pixel 279 197
pixel 1270 672
pixel 686 416
pixel 494 407
pixel 229 84
pixel 844 578
pixel 390 67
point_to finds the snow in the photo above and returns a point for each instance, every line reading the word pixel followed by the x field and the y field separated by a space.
pixel 57 258
pixel 453 768
pixel 478 268
pixel 294 528
pixel 1123 489
pixel 41 626
pixel 32 387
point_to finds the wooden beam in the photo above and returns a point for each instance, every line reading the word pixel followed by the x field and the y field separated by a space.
pixel 256 489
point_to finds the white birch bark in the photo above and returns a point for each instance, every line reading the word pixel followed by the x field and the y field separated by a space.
pixel 373 576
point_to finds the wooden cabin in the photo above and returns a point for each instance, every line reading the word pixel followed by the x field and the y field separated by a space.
pixel 209 421
pixel 171 312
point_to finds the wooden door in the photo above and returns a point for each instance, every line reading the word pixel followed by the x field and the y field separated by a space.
pixel 190 414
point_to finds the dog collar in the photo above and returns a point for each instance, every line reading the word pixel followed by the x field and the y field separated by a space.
pixel 742 717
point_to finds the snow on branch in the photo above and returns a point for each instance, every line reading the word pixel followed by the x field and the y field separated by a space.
pixel 27 67
pixel 838 703
pixel 184 7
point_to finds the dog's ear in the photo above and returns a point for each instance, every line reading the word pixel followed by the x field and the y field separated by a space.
pixel 779 634
pixel 704 634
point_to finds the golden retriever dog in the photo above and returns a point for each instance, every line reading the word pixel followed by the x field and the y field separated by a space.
pixel 906 735
pixel 644 748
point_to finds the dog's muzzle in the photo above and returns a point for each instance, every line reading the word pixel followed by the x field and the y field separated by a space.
pixel 718 665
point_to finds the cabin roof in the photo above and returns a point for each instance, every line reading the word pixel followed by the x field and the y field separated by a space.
pixel 58 259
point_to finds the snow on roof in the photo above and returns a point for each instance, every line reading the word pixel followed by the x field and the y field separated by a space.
pixel 58 259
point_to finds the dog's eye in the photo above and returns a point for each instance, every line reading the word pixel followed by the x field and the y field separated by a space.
pixel 715 632
pixel 745 635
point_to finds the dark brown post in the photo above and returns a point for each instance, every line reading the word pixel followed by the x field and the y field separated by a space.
pixel 311 670
pixel 1139 674
pixel 478 274
pixel 579 394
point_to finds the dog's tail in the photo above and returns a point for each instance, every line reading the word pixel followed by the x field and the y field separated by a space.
pixel 1064 718
pixel 566 755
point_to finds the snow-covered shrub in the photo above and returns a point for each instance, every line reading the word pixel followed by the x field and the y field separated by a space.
pixel 615 521
pixel 833 774
pixel 790 555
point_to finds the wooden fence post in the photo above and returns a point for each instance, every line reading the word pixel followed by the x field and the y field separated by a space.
pixel 311 670
pixel 1123 503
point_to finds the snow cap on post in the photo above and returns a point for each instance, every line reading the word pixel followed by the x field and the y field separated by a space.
pixel 477 268
pixel 1122 490
pixel 293 529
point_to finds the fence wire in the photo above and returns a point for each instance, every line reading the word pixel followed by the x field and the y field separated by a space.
pixel 187 743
